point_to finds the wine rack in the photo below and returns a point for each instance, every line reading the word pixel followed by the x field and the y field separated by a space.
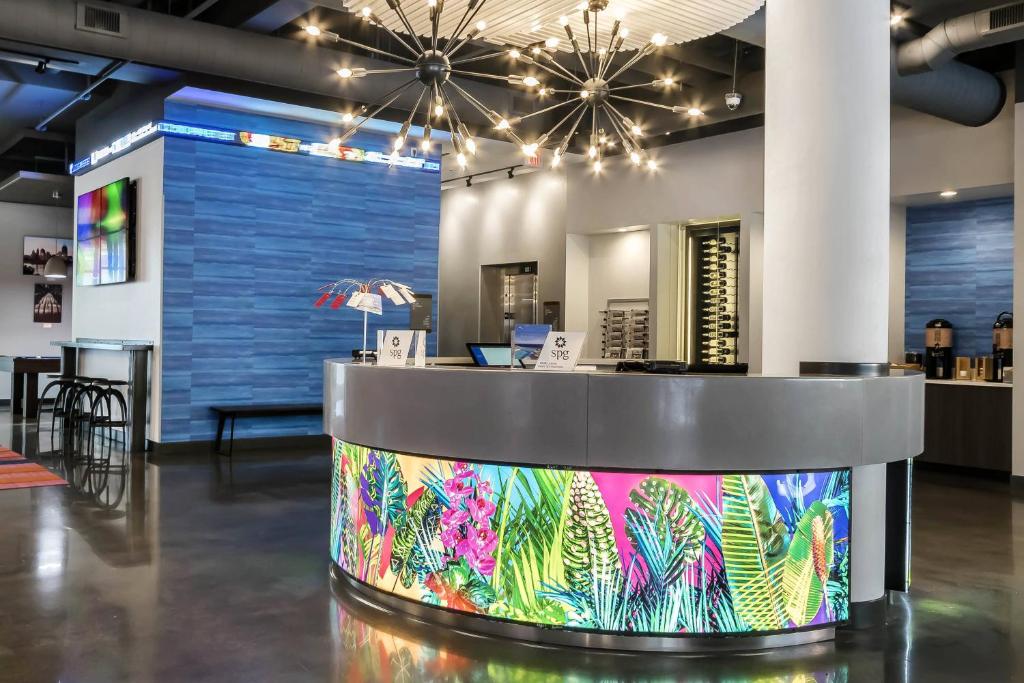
pixel 716 265
pixel 625 330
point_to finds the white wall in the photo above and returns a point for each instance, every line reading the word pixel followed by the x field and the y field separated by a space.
pixel 930 155
pixel 577 283
pixel 508 221
pixel 718 176
pixel 18 334
pixel 132 310
pixel 619 267
pixel 897 281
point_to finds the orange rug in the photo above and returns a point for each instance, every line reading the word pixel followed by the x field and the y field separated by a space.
pixel 18 473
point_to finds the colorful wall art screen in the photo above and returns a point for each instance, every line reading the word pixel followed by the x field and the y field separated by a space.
pixel 105 252
pixel 604 551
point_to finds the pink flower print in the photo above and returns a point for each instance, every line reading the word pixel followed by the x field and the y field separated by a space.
pixel 477 547
pixel 451 537
pixel 484 488
pixel 456 517
pixel 481 510
pixel 456 490
pixel 463 471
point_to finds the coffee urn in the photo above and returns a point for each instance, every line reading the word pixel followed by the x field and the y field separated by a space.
pixel 938 352
pixel 1002 338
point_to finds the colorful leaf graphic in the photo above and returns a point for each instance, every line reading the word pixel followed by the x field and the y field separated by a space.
pixel 754 550
pixel 382 490
pixel 808 564
pixel 663 528
pixel 411 555
pixel 459 587
pixel 589 551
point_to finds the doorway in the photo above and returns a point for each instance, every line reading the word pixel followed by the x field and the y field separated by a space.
pixel 508 297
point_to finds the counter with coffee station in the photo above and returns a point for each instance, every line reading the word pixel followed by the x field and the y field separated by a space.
pixel 968 401
pixel 632 511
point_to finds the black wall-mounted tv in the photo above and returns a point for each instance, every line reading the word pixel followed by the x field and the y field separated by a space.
pixel 105 244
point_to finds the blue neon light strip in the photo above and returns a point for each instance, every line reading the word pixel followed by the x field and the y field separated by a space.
pixel 255 140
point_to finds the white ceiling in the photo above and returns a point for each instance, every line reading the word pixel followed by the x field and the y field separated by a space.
pixel 510 23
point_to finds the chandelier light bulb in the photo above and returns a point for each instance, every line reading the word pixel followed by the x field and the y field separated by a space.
pixel 637 130
pixel 592 152
pixel 624 32
pixel 659 40
pixel 556 160
pixel 347 117
pixel 471 146
pixel 563 20
pixel 431 3
pixel 425 144
pixel 551 43
pixel 503 125
pixel 694 111
pixel 652 165
pixel 635 157
pixel 399 143
pixel 668 80
pixel 536 50
pixel 896 19
pixel 345 72
pixel 514 53
pixel 598 166
pixel 619 13
pixel 481 25
pixel 460 158
pixel 313 30
pixel 531 82
pixel 530 150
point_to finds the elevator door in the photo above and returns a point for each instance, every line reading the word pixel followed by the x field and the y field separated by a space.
pixel 508 297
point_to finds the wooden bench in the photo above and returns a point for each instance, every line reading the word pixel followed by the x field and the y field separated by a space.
pixel 257 410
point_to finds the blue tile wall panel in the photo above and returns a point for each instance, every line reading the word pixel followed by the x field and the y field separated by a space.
pixel 249 237
pixel 959 267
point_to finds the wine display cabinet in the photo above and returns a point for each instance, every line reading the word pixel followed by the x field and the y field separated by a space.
pixel 714 325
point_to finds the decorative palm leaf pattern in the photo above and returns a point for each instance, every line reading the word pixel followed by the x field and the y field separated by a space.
pixel 693 554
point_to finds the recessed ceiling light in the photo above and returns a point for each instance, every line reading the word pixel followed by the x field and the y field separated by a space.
pixel 948 194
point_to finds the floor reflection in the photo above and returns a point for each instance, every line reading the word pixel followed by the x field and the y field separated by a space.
pixel 194 569
pixel 379 645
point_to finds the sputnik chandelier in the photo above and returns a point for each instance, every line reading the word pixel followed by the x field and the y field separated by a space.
pixel 590 94
pixel 432 66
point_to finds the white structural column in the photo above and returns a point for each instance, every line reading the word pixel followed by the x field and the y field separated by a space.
pixel 826 217
pixel 1017 422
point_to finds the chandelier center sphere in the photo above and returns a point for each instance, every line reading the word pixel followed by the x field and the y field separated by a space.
pixel 596 90
pixel 433 68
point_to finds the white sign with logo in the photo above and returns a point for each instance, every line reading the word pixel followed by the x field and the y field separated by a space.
pixel 393 349
pixel 561 351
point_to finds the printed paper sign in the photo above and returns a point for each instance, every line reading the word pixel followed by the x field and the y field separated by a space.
pixel 353 301
pixel 371 303
pixel 394 350
pixel 561 351
pixel 393 296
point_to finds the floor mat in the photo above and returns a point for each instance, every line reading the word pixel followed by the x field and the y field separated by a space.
pixel 18 473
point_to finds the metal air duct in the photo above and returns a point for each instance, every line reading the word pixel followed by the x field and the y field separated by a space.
pixel 995 26
pixel 954 91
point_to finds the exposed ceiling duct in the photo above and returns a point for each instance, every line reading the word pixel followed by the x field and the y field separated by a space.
pixel 954 91
pixel 177 43
pixel 937 48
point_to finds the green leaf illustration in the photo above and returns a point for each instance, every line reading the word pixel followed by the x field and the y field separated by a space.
pixel 588 546
pixel 754 550
pixel 808 564
pixel 663 528
pixel 411 554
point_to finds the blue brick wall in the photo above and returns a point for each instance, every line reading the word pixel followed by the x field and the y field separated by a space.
pixel 959 267
pixel 249 236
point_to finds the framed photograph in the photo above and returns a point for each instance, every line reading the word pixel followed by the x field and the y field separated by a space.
pixel 38 250
pixel 48 304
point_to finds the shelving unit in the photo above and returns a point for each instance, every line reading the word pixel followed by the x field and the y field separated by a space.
pixel 715 295
pixel 625 329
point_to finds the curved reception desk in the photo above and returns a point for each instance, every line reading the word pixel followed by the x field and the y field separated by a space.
pixel 624 511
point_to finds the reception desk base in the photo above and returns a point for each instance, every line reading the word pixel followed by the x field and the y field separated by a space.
pixel 393 605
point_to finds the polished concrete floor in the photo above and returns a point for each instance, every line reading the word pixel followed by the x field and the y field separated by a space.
pixel 183 571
